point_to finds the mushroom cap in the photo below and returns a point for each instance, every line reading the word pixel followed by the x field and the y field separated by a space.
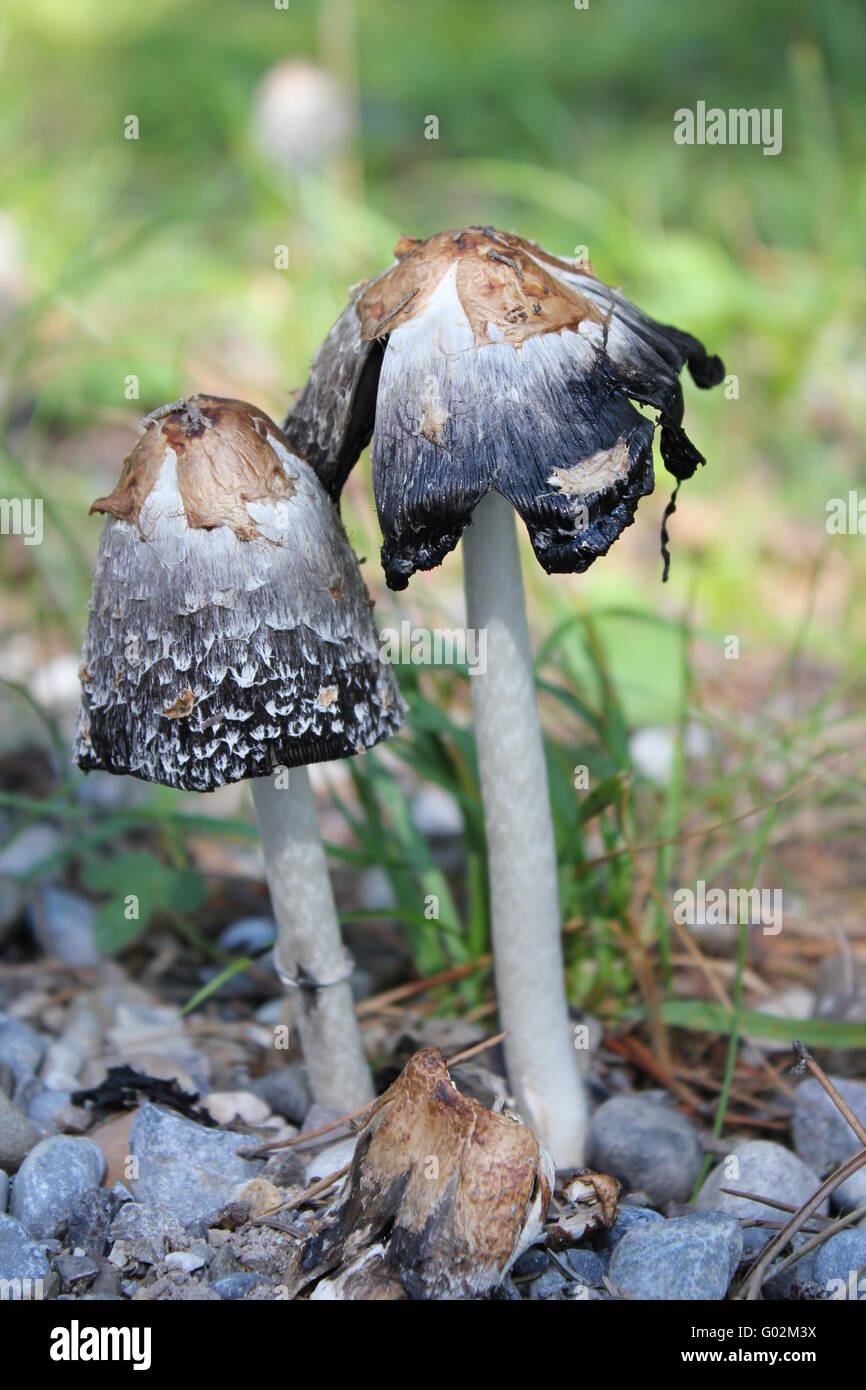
pixel 230 630
pixel 478 361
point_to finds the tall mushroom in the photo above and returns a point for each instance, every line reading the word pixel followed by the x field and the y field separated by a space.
pixel 231 637
pixel 500 378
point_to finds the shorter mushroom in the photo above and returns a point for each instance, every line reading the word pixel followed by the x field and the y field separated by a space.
pixel 231 637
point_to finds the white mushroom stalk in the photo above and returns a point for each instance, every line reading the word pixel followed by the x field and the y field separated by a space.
pixel 309 951
pixel 230 638
pixel 493 376
pixel 525 915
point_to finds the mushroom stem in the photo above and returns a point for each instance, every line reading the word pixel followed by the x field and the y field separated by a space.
pixel 309 946
pixel 526 925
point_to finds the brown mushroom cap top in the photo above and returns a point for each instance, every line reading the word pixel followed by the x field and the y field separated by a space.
pixel 223 458
pixel 502 281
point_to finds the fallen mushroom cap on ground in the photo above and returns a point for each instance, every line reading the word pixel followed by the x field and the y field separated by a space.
pixel 453 1191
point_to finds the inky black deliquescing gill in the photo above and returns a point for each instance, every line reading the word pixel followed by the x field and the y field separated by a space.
pixel 478 361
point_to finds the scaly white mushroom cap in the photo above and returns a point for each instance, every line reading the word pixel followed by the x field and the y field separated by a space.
pixel 230 629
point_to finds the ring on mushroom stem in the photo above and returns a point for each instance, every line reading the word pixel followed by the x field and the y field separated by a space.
pixel 230 637
pixel 482 365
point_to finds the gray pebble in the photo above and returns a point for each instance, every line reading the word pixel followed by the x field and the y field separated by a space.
pixel 824 1139
pixel 285 1168
pixel 21 1047
pixel 134 1221
pixel 29 848
pixel 73 1269
pixel 248 936
pixel 23 1263
pixel 237 1285
pixel 286 1091
pixel 587 1266
pixel 90 1218
pixel 768 1170
pixel 191 1171
pixel 550 1285
pixel 223 1264
pixel 64 925
pixel 795 1282
pixel 52 1111
pixel 628 1218
pixel 107 1282
pixel 837 1262
pixel 17 1135
pixel 534 1261
pixel 51 1178
pixel 648 1145
pixel 688 1257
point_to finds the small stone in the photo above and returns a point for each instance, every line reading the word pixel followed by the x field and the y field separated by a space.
pixel 330 1160
pixel 795 1282
pixel 21 1047
pixel 235 1286
pixel 436 812
pixel 286 1091
pixel 837 1264
pixel 107 1282
pixel 768 1170
pixel 550 1285
pixel 261 1196
pixel 186 1260
pixel 191 1171
pixel 17 1135
pixel 531 1262
pixel 80 1039
pixel 23 1265
pixel 223 1264
pixel 90 1218
pixel 248 936
pixel 73 1269
pixel 688 1257
pixel 587 1266
pixel 51 1111
pixel 228 1107
pixel 628 1218
pixel 53 1175
pixel 285 1168
pixel 64 924
pixel 646 1145
pixel 824 1139
pixel 480 1083
pixel 29 848
pixel 153 1224
pixel 320 1115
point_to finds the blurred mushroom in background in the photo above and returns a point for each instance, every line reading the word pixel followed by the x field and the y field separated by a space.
pixel 301 116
